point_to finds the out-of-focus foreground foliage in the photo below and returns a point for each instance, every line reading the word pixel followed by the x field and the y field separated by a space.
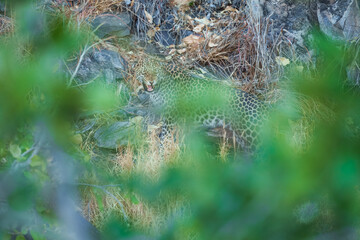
pixel 283 192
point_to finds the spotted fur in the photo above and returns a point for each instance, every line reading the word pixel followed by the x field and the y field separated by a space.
pixel 178 96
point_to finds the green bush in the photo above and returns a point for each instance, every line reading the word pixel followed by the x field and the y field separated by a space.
pixel 281 192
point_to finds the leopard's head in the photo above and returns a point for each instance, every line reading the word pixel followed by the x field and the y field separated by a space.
pixel 148 72
pixel 148 82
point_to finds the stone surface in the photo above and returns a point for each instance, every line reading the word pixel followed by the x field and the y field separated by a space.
pixel 290 18
pixel 167 35
pixel 339 19
pixel 165 38
pixel 112 25
pixel 105 64
pixel 218 3
pixel 183 33
pixel 114 135
pixel 353 74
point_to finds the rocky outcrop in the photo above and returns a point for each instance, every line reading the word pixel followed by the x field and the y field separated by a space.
pixel 289 18
pixel 118 25
pixel 339 19
pixel 103 64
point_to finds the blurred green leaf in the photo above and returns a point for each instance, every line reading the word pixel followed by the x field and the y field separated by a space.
pixel 5 236
pixel 37 161
pixel 101 97
pixel 20 237
pixel 134 199
pixel 99 199
pixel 23 196
pixel 15 150
pixel 37 236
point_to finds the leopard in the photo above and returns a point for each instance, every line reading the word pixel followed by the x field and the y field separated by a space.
pixel 177 95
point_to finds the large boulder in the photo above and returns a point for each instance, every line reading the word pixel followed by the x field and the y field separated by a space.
pixel 105 64
pixel 112 25
pixel 339 19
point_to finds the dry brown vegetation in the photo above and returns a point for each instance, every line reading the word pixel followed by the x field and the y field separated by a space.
pixel 234 43
pixel 6 25
pixel 148 161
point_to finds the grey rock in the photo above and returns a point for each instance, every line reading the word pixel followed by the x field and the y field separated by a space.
pixel 183 34
pixel 238 3
pixel 159 11
pixel 167 35
pixel 138 111
pixel 152 49
pixel 218 3
pixel 112 25
pixel 114 135
pixel 353 74
pixel 105 64
pixel 340 19
pixel 291 18
pixel 165 38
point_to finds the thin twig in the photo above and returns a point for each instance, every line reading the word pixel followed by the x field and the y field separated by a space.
pixel 35 149
pixel 86 48
pixel 27 151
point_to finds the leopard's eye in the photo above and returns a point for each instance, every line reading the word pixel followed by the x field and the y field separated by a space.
pixel 141 78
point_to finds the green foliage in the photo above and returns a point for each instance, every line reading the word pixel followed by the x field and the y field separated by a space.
pixel 277 193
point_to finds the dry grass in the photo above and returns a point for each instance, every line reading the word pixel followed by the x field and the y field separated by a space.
pixel 102 6
pixel 151 160
pixel 308 112
pixel 125 159
pixel 311 112
pixel 6 25
pixel 91 7
pixel 148 160
pixel 234 44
